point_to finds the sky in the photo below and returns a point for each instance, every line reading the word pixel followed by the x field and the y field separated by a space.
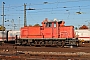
pixel 52 9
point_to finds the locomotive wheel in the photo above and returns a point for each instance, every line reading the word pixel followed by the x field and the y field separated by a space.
pixel 28 43
pixel 62 43
pixel 35 43
pixel 46 43
pixel 42 43
pixel 59 43
pixel 50 43
pixel 54 43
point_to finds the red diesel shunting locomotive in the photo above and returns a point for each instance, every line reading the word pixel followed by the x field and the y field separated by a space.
pixel 50 33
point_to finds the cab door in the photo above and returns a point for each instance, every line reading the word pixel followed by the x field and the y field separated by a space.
pixel 48 30
pixel 55 30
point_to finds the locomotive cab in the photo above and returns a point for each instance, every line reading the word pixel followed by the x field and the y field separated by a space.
pixel 53 23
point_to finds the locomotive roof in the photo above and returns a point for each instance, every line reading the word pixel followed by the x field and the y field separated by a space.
pixel 54 21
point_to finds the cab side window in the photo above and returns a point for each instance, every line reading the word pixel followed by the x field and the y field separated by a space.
pixel 48 24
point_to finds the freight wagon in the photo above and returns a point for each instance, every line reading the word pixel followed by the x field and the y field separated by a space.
pixel 83 35
pixel 51 33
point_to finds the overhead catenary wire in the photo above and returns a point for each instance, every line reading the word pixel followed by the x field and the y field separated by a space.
pixel 58 2
pixel 50 10
pixel 54 8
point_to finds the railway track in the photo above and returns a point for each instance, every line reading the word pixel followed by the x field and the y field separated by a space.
pixel 10 51
pixel 48 55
